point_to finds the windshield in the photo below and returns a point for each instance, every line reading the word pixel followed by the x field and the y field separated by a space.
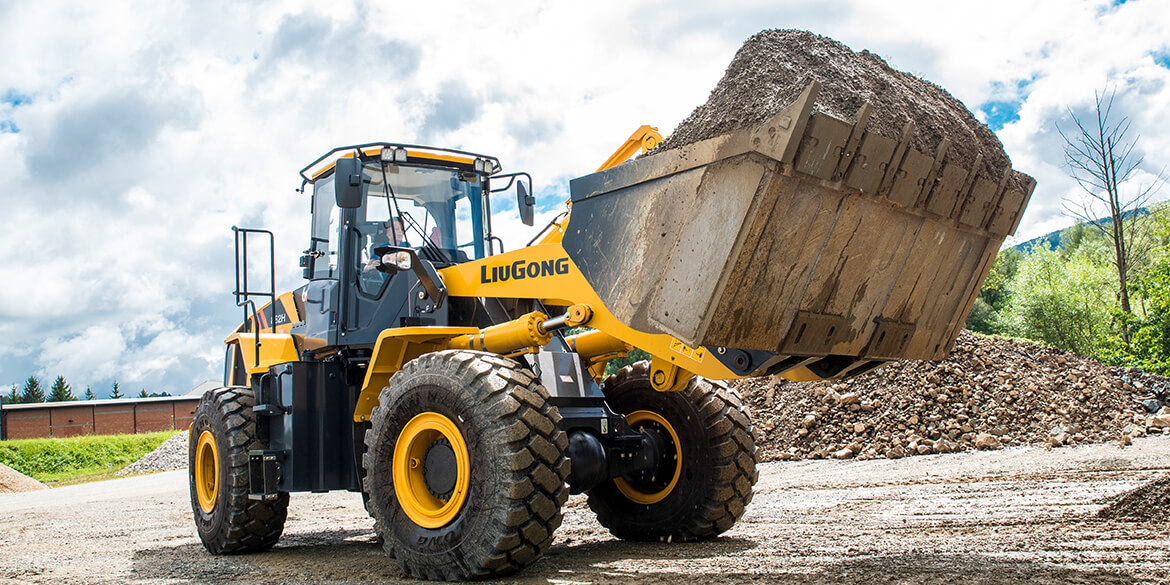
pixel 409 206
pixel 418 206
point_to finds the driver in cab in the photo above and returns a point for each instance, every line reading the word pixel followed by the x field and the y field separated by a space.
pixel 395 232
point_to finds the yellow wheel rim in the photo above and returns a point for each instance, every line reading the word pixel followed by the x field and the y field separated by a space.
pixel 206 471
pixel 638 495
pixel 410 484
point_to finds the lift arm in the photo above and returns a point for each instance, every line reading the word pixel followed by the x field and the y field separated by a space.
pixel 644 138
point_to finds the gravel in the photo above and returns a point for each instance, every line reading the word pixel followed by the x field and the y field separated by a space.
pixel 1014 516
pixel 1150 502
pixel 990 393
pixel 171 454
pixel 12 481
pixel 773 67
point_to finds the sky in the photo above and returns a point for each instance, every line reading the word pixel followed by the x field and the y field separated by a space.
pixel 134 135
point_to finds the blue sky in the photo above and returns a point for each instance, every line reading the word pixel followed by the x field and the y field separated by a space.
pixel 133 135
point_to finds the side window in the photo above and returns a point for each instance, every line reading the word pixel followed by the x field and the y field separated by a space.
pixel 326 217
pixel 333 228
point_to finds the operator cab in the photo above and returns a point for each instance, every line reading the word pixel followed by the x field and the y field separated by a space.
pixel 426 203
pixel 431 200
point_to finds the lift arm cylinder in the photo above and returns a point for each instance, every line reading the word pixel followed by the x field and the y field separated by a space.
pixel 507 337
pixel 596 343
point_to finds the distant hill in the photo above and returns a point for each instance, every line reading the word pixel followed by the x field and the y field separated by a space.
pixel 1053 239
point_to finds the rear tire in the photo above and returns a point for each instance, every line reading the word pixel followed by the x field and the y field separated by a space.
pixel 480 487
pixel 222 433
pixel 713 476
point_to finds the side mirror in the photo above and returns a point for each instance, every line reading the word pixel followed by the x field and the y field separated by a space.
pixel 350 189
pixel 526 202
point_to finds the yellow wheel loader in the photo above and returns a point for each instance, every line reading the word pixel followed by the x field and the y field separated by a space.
pixel 461 388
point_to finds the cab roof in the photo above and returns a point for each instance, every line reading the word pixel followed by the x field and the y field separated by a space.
pixel 404 154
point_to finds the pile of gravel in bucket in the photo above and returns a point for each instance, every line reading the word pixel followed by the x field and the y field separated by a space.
pixel 773 67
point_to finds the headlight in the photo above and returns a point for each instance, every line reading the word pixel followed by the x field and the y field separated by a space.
pixel 479 165
pixel 393 154
pixel 399 260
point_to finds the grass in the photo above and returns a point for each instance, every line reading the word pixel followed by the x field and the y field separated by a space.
pixel 78 459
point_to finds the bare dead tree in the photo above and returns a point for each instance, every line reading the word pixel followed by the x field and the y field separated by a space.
pixel 1101 158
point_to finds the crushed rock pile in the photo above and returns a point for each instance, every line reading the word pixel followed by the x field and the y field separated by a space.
pixel 773 67
pixel 990 393
pixel 1150 502
pixel 12 481
pixel 171 454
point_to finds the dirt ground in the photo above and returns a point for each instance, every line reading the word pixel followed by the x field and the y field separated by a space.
pixel 1021 515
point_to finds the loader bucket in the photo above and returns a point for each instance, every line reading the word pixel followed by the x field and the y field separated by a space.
pixel 806 236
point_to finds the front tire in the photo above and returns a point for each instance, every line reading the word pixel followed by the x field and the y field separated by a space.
pixel 222 433
pixel 465 466
pixel 708 453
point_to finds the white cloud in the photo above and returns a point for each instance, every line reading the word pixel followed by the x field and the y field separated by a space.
pixel 91 354
pixel 150 128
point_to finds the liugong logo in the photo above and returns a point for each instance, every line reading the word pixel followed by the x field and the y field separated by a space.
pixel 521 269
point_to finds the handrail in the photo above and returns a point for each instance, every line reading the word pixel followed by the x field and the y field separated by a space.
pixel 255 330
pixel 243 292
pixel 362 148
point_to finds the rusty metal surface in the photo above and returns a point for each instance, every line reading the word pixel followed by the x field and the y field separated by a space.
pixel 807 236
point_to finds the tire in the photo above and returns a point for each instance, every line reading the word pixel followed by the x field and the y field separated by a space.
pixel 488 514
pixel 713 476
pixel 222 433
pixel 360 430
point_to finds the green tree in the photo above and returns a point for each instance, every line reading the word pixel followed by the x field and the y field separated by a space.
pixel 60 391
pixel 1102 157
pixel 115 394
pixel 994 294
pixel 1072 238
pixel 32 391
pixel 13 396
pixel 1066 304
pixel 143 394
pixel 89 395
pixel 1149 347
pixel 1150 342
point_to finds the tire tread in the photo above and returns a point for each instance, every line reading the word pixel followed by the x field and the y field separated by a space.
pixel 250 525
pixel 536 486
pixel 731 441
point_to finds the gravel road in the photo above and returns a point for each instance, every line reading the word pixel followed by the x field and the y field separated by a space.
pixel 1012 516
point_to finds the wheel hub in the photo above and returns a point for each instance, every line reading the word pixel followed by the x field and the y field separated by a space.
pixel 658 479
pixel 440 469
pixel 657 459
pixel 206 472
pixel 431 470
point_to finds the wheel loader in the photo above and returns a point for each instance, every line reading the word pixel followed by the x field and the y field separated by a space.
pixel 461 388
